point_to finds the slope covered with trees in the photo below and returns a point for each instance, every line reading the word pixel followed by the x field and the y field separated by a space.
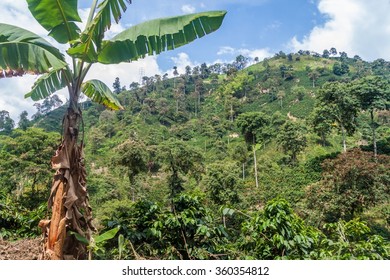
pixel 288 158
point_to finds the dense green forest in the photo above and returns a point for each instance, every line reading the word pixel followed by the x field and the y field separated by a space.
pixel 285 158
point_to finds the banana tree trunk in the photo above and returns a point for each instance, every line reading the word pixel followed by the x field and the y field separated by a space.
pixel 68 200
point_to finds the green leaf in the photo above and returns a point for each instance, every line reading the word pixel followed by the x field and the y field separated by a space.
pixel 156 36
pixel 58 17
pixel 107 235
pixel 80 238
pixel 24 51
pixel 64 35
pixel 100 93
pixel 49 83
pixel 222 231
pixel 228 211
pixel 89 45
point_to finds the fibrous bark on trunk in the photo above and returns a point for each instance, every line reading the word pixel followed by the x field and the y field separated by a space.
pixel 68 200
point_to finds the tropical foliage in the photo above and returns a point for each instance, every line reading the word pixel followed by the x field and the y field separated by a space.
pixel 173 175
pixel 22 52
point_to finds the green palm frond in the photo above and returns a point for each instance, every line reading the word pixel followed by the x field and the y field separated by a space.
pixel 100 93
pixel 156 36
pixel 24 51
pixel 49 83
pixel 59 17
pixel 89 44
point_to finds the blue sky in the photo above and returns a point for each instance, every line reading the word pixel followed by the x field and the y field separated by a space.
pixel 253 28
pixel 249 25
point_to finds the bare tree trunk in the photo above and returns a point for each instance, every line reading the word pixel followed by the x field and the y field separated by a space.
pixel 343 135
pixel 231 113
pixel 255 166
pixel 323 139
pixel 196 108
pixel 374 142
pixel 69 199
pixel 132 186
pixel 373 133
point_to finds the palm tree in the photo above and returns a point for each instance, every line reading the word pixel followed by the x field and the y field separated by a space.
pixel 23 52
pixel 313 75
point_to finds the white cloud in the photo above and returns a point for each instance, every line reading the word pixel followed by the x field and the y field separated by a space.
pixel 355 26
pixel 12 90
pixel 83 13
pixel 17 13
pixel 259 53
pixel 181 61
pixel 188 9
pixel 251 53
pixel 228 53
pixel 226 50
pixel 114 30
pixel 127 72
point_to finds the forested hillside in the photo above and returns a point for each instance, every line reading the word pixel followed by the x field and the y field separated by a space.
pixel 286 158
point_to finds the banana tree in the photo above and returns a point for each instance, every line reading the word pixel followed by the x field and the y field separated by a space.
pixel 23 52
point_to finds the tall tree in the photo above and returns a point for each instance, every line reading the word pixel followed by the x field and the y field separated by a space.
pixel 179 92
pixel 204 71
pixel 254 127
pixel 6 123
pixel 341 106
pixel 321 121
pixel 240 154
pixel 287 71
pixel 292 139
pixel 117 85
pixel 240 62
pixel 24 122
pixel 333 51
pixel 313 75
pixel 180 159
pixel 373 93
pixel 281 95
pixel 325 54
pixel 22 52
pixel 200 89
pixel 343 56
pixel 133 156
pixel 234 89
pixel 49 104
